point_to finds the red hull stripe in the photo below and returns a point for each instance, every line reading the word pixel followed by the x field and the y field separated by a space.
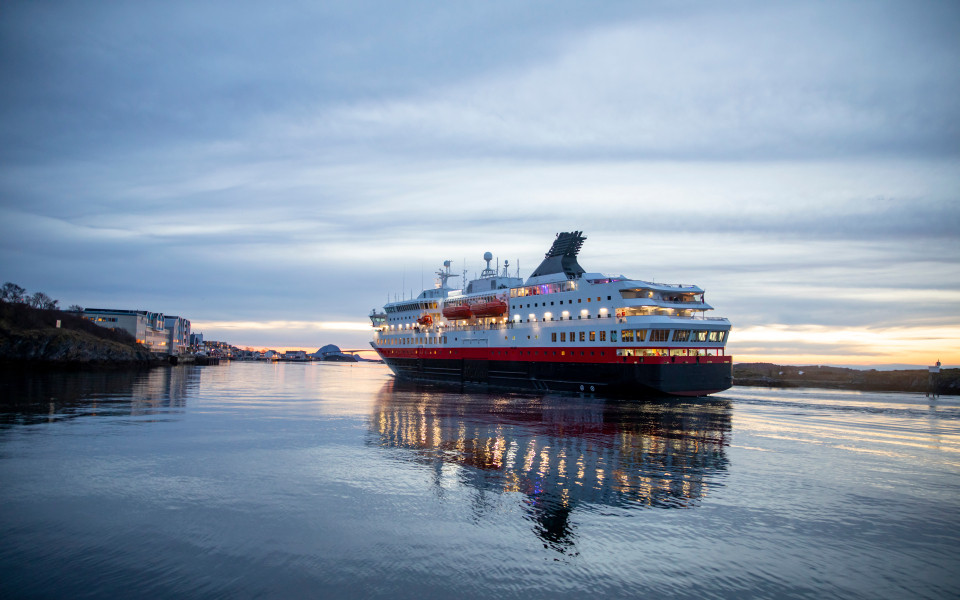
pixel 573 355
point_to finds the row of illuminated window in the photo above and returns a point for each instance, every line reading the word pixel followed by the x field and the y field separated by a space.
pixel 537 304
pixel 666 296
pixel 640 335
pixel 412 341
pixel 410 306
pixel 625 335
pixel 543 288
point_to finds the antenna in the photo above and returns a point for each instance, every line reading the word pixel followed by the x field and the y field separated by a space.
pixel 487 272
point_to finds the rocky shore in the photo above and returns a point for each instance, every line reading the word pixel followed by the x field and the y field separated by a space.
pixel 31 336
pixel 904 380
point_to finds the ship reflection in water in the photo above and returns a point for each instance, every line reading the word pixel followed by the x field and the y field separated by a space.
pixel 560 452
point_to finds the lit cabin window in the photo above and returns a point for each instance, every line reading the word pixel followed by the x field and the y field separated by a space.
pixel 659 335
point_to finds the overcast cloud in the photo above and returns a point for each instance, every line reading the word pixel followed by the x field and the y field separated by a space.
pixel 243 164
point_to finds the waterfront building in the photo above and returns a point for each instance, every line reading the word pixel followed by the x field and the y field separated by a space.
pixel 297 355
pixel 196 340
pixel 146 327
pixel 178 333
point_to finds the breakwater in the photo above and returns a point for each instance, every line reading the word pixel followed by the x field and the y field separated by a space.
pixel 841 378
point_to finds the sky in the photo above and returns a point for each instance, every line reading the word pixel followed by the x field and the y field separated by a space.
pixel 274 171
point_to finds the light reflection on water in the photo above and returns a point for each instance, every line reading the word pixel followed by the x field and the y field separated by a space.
pixel 559 452
pixel 291 480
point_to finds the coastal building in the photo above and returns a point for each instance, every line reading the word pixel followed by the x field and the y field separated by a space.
pixel 178 333
pixel 196 340
pixel 296 355
pixel 146 327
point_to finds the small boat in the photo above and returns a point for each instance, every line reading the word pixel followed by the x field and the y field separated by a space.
pixel 490 308
pixel 425 320
pixel 458 311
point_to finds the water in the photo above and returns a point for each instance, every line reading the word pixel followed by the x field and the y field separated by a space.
pixel 293 480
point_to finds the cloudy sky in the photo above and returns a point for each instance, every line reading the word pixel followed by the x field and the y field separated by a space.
pixel 273 171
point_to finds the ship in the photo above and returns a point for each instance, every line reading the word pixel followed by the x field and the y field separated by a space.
pixel 563 329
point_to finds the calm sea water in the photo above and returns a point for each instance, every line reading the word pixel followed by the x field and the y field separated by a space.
pixel 330 480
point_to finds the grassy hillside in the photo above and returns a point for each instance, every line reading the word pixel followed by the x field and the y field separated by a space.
pixel 29 334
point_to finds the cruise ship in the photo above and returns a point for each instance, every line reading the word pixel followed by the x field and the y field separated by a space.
pixel 563 329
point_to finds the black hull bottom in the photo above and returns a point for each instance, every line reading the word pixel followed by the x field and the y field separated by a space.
pixel 609 379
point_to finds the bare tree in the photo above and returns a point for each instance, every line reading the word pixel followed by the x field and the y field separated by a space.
pixel 11 292
pixel 41 300
pixel 75 308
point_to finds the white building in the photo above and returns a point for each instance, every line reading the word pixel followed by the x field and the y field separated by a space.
pixel 148 328
pixel 178 334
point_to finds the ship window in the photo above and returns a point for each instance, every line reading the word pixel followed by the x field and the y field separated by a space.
pixel 593 336
pixel 700 336
pixel 613 335
pixel 573 336
pixel 608 297
pixel 579 300
pixel 563 336
pixel 681 335
pixel 551 304
pixel 626 335
pixel 553 336
pixel 583 336
pixel 603 336
pixel 589 299
pixel 659 335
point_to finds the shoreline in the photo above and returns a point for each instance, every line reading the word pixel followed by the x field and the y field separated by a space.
pixel 842 378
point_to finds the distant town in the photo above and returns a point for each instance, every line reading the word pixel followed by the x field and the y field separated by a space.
pixel 168 335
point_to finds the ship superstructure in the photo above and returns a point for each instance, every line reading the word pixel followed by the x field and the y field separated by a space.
pixel 562 329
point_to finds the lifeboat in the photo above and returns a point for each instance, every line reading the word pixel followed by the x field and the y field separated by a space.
pixel 455 312
pixel 425 320
pixel 491 308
